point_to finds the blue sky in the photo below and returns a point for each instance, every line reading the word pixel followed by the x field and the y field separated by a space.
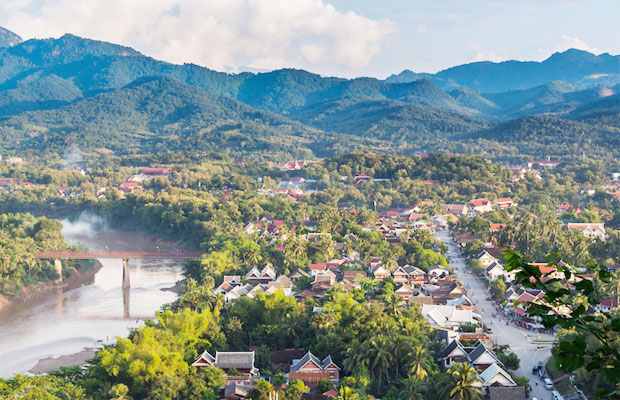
pixel 331 37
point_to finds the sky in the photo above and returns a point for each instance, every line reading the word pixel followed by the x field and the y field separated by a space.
pixel 347 38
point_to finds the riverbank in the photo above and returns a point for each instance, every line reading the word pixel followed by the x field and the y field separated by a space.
pixel 70 360
pixel 43 289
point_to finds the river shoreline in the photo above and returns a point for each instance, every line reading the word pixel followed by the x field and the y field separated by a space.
pixel 44 289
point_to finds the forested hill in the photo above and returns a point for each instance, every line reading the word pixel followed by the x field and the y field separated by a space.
pixel 577 67
pixel 155 114
pixel 58 92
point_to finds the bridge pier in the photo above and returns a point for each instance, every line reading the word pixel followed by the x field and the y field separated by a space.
pixel 58 267
pixel 126 283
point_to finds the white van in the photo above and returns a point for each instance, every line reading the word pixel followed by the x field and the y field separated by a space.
pixel 555 395
pixel 548 384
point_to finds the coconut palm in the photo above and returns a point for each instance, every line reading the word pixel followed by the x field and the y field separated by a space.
pixel 414 389
pixel 394 303
pixel 419 366
pixel 465 382
pixel 380 358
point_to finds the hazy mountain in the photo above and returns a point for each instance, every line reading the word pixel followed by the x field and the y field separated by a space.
pixel 573 66
pixel 8 38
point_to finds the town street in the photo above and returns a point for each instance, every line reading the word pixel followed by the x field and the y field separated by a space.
pixel 502 333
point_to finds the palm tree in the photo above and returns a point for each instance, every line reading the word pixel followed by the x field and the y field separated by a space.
pixel 394 303
pixel 354 356
pixel 465 382
pixel 381 359
pixel 419 365
pixel 414 389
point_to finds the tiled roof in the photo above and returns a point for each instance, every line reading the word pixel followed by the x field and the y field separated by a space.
pixel 236 359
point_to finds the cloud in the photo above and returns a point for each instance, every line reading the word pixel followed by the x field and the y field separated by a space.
pixel 480 54
pixel 573 42
pixel 220 34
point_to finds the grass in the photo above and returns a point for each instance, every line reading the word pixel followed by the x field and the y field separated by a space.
pixel 553 372
pixel 564 387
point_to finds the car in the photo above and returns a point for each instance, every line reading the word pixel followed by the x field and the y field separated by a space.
pixel 489 330
pixel 534 398
pixel 555 395
pixel 548 384
pixel 535 370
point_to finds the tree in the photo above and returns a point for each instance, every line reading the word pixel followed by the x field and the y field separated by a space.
pixel 602 352
pixel 324 385
pixel 119 392
pixel 498 289
pixel 419 365
pixel 296 389
pixel 465 382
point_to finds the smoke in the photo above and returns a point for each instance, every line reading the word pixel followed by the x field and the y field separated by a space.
pixel 86 225
pixel 72 157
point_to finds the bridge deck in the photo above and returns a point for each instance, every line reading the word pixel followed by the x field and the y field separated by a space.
pixel 82 255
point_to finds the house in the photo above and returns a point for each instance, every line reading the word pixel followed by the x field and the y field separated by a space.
pixel 408 274
pixel 543 164
pixel 438 272
pixel 453 352
pixel 353 275
pixel 506 393
pixel 404 291
pixel 237 292
pixel 588 229
pixel 266 275
pixel 318 269
pixel 380 273
pixel 479 356
pixel 479 206
pixel 496 270
pixel 489 255
pixel 482 357
pixel 497 227
pixel 444 316
pixel 323 282
pixel 494 375
pixel 282 359
pixel 503 202
pixel 608 305
pixel 311 370
pixel 457 209
pixel 242 362
pixel 295 276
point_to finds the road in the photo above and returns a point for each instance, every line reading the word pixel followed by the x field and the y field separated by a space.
pixel 502 334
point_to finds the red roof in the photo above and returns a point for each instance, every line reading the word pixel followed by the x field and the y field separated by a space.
pixel 318 267
pixel 480 202
pixel 504 200
pixel 611 302
pixel 331 392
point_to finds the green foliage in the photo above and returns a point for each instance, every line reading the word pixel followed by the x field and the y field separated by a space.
pixel 592 340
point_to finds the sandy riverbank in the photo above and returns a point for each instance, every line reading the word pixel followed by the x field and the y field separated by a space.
pixel 70 360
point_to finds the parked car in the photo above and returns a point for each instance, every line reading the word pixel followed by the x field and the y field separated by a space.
pixel 555 395
pixel 548 384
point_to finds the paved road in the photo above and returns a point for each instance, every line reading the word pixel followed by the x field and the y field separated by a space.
pixel 516 338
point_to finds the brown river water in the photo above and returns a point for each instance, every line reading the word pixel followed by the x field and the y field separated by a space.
pixel 68 321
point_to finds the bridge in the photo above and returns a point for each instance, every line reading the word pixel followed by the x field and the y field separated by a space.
pixel 58 256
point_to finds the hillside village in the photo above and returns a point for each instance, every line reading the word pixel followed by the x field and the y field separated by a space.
pixel 412 267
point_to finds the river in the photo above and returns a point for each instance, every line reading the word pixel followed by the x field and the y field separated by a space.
pixel 70 321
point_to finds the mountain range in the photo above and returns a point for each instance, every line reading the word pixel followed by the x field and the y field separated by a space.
pixel 58 92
